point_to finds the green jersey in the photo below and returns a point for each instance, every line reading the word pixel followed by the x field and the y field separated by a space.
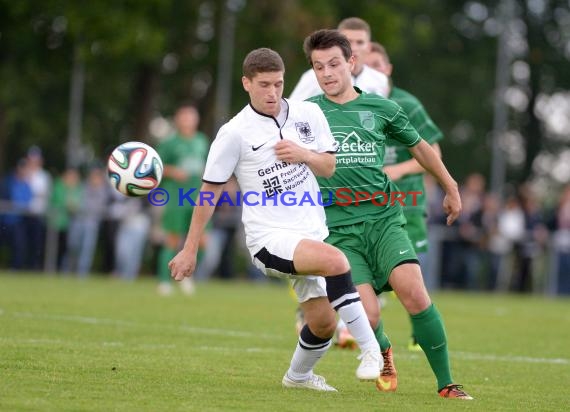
pixel 397 152
pixel 359 188
pixel 64 202
pixel 188 154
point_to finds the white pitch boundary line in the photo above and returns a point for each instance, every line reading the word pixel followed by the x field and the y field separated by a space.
pixel 233 349
pixel 457 355
pixel 243 334
pixel 510 358
pixel 67 343
pixel 115 322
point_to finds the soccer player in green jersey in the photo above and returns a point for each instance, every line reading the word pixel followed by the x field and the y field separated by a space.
pixel 402 168
pixel 364 215
pixel 184 157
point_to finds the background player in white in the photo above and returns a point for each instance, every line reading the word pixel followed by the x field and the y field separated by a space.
pixel 277 147
pixel 367 79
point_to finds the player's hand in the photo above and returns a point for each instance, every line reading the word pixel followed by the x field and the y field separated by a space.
pixel 176 173
pixel 452 206
pixel 290 152
pixel 394 172
pixel 182 265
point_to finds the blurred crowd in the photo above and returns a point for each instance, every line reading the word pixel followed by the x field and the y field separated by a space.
pixel 505 243
pixel 76 223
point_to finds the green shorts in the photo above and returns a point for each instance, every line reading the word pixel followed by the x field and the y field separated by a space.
pixel 374 248
pixel 417 231
pixel 176 219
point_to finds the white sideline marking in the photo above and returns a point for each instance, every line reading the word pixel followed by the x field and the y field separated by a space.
pixel 509 358
pixel 67 343
pixel 210 331
pixel 74 318
pixel 115 322
pixel 241 350
pixel 232 349
pixel 243 334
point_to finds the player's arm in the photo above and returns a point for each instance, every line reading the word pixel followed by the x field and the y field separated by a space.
pixel 321 164
pixel 409 167
pixel 184 263
pixel 430 161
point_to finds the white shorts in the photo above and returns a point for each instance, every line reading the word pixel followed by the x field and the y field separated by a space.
pixel 274 257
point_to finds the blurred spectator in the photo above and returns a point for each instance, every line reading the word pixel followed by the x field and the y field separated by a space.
pixel 4 202
pixel 562 243
pixel 494 244
pixel 532 244
pixel 510 228
pixel 40 183
pixel 64 204
pixel 436 222
pixel 132 235
pixel 434 194
pixel 110 228
pixel 471 229
pixel 461 254
pixel 20 197
pixel 84 228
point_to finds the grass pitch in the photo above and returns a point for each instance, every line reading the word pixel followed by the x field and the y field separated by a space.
pixel 105 345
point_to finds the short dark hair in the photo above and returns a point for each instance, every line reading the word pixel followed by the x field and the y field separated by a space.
pixel 376 47
pixel 326 39
pixel 354 23
pixel 262 60
pixel 186 104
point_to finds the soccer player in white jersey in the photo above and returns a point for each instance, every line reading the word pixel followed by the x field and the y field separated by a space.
pixel 275 148
pixel 364 77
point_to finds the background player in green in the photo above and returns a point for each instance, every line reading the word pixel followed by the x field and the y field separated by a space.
pixel 402 168
pixel 372 234
pixel 184 157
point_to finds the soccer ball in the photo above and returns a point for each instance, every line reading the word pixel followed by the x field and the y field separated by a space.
pixel 134 168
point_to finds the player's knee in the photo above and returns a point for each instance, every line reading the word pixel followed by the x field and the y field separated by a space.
pixel 337 263
pixel 416 300
pixel 321 320
pixel 323 327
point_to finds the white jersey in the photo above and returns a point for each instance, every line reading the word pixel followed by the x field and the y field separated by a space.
pixel 368 80
pixel 245 147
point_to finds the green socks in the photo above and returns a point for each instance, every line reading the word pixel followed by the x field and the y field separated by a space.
pixel 165 255
pixel 381 337
pixel 430 334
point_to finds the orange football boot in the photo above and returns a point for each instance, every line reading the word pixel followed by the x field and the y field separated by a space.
pixel 388 379
pixel 454 390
